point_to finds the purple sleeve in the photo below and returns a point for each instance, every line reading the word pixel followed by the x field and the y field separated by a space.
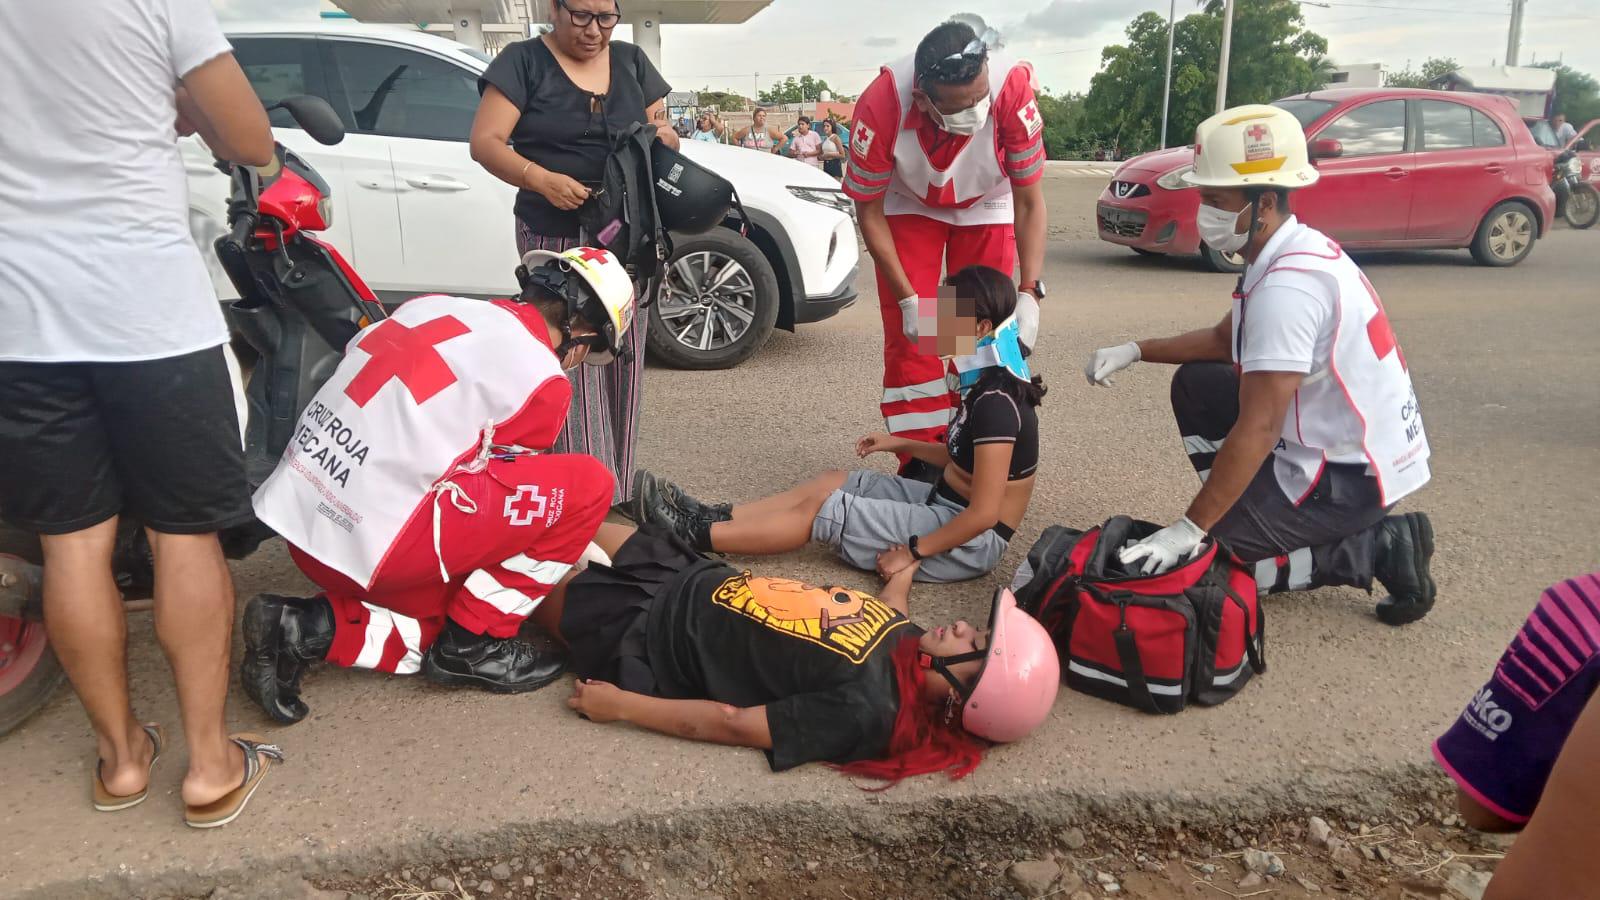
pixel 1503 746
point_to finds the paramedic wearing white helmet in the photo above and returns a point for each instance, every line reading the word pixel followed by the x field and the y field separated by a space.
pixel 1296 409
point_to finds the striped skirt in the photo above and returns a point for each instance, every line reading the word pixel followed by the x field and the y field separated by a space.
pixel 603 421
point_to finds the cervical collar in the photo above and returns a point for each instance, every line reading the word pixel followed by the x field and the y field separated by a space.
pixel 1001 348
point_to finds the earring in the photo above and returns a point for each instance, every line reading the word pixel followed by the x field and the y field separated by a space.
pixel 949 707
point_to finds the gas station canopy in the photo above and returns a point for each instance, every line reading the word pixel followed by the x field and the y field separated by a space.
pixel 469 17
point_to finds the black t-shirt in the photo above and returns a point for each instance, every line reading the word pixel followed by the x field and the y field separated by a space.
pixel 991 416
pixel 560 128
pixel 817 657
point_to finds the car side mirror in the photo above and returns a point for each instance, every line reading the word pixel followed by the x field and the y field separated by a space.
pixel 315 116
pixel 1326 148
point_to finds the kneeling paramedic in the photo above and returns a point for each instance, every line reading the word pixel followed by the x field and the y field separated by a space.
pixel 1297 408
pixel 415 493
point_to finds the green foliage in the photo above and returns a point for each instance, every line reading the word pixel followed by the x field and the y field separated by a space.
pixel 805 90
pixel 1272 56
pixel 1577 95
pixel 1436 67
pixel 723 100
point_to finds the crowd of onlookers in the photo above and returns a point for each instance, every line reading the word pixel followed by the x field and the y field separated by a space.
pixel 823 143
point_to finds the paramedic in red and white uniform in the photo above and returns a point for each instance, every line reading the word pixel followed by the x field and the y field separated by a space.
pixel 945 166
pixel 1296 409
pixel 416 495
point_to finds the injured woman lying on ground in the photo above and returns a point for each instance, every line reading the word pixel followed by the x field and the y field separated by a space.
pixel 958 528
pixel 684 645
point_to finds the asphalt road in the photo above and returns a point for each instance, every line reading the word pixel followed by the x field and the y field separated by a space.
pixel 387 769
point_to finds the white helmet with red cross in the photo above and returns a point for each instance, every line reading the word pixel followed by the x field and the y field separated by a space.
pixel 602 293
pixel 1254 146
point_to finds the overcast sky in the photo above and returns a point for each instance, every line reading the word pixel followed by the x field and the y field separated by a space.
pixel 844 41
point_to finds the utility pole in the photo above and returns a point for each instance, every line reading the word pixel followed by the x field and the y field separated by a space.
pixel 1166 87
pixel 1514 39
pixel 1227 47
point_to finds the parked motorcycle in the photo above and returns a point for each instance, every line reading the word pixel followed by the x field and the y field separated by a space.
pixel 299 304
pixel 1576 199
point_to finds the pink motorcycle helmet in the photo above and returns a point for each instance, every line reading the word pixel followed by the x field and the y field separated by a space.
pixel 1016 684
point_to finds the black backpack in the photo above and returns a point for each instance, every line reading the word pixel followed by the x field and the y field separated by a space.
pixel 621 215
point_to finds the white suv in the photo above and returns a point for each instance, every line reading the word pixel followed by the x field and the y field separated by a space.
pixel 415 215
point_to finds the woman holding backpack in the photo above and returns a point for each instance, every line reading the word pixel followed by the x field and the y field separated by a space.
pixel 957 529
pixel 551 107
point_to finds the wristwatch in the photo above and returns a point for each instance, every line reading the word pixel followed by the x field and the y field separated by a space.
pixel 1036 288
pixel 911 545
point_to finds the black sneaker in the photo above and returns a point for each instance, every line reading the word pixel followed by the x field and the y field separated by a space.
pixel 501 665
pixel 1404 551
pixel 654 504
pixel 283 636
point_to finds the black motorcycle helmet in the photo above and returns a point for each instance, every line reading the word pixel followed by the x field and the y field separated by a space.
pixel 691 198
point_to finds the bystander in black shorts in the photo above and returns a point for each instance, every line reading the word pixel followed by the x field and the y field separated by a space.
pixel 155 440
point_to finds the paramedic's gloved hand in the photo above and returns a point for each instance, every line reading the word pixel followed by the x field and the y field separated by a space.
pixel 1109 361
pixel 1177 543
pixel 1028 319
pixel 908 319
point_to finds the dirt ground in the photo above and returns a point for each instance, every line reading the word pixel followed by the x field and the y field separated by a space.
pixel 392 775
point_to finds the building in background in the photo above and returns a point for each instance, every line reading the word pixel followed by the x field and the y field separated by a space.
pixel 1365 75
pixel 1533 90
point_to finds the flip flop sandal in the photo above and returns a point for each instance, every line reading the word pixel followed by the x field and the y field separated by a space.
pixel 259 758
pixel 104 800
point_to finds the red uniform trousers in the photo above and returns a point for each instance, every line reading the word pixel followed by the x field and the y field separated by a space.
pixel 917 403
pixel 506 539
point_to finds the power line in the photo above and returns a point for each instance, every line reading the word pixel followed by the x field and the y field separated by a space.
pixel 1338 4
pixel 863 68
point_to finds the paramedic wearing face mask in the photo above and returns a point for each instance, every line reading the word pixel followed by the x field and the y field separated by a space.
pixel 418 495
pixel 1297 409
pixel 945 166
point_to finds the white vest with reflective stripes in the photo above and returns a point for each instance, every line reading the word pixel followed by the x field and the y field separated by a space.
pixel 415 396
pixel 1362 406
pixel 975 189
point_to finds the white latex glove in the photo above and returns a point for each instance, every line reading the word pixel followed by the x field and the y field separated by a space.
pixel 908 319
pixel 1028 319
pixel 1179 542
pixel 1109 361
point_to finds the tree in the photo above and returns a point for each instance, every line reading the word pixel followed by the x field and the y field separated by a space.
pixel 805 90
pixel 723 100
pixel 1577 95
pixel 1435 68
pixel 1064 121
pixel 1272 56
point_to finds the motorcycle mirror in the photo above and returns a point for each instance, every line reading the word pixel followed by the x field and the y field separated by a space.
pixel 315 116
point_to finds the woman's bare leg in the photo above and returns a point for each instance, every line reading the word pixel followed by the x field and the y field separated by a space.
pixel 547 615
pixel 777 524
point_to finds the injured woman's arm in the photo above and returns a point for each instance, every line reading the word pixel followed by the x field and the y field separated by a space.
pixel 698 720
pixel 986 499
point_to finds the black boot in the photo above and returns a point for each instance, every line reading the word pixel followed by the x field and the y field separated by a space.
pixel 663 504
pixel 283 636
pixel 1404 551
pixel 502 665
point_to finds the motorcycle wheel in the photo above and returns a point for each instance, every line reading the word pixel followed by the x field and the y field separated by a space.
pixel 1583 206
pixel 29 671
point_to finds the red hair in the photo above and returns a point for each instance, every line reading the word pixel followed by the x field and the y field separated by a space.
pixel 920 743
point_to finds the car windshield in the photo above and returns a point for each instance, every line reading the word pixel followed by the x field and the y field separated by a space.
pixel 1307 111
pixel 1543 134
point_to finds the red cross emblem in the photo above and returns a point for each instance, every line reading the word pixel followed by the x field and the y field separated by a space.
pixel 409 355
pixel 1031 113
pixel 589 254
pixel 1257 131
pixel 526 505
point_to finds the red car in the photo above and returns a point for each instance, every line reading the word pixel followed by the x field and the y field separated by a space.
pixel 1401 169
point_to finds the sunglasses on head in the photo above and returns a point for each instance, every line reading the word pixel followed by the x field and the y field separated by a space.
pixel 583 18
pixel 962 67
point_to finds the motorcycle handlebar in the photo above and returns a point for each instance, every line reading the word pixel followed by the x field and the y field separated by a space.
pixel 243 227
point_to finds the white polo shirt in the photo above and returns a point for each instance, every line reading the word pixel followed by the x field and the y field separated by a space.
pixel 96 260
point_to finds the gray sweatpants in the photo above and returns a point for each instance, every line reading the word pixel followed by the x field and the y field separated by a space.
pixel 873 512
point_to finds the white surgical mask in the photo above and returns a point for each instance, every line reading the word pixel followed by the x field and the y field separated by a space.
pixel 968 121
pixel 1216 227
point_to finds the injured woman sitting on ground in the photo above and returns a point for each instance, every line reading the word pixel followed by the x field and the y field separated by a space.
pixel 684 645
pixel 957 528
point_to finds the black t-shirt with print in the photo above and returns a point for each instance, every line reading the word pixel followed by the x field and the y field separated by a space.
pixel 818 658
pixel 561 128
pixel 989 415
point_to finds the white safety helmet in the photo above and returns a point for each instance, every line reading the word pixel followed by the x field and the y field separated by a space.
pixel 601 295
pixel 1254 146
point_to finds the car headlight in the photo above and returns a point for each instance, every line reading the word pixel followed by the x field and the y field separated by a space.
pixel 833 198
pixel 1575 166
pixel 1173 181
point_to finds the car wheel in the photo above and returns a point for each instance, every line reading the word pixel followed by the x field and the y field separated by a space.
pixel 718 302
pixel 29 671
pixel 1228 263
pixel 1506 235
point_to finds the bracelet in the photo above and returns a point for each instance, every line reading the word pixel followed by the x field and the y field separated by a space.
pixel 522 177
pixel 911 545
